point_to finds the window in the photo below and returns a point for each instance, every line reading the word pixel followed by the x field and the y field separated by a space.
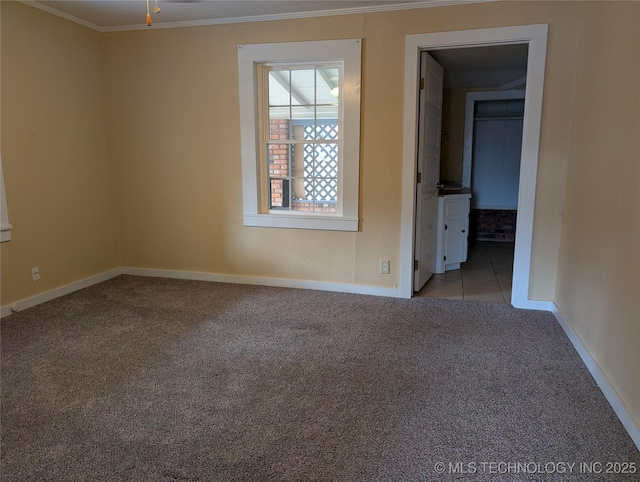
pixel 300 132
pixel 302 144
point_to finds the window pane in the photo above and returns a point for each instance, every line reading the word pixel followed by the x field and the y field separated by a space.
pixel 314 181
pixel 278 165
pixel 327 98
pixel 279 124
pixel 279 88
pixel 279 104
pixel 324 130
pixel 327 85
pixel 324 190
pixel 298 174
pixel 326 161
pixel 327 114
pixel 278 160
pixel 325 172
pixel 321 172
pixel 303 87
pixel 279 194
pixel 303 114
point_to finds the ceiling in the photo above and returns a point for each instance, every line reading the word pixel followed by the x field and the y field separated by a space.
pixel 479 67
pixel 110 15
pixel 483 67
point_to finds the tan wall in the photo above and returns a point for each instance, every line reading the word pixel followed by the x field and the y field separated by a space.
pixel 172 141
pixel 55 155
pixel 453 105
pixel 598 288
pixel 174 105
pixel 175 147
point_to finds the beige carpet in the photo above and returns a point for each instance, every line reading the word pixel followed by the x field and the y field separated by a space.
pixel 140 379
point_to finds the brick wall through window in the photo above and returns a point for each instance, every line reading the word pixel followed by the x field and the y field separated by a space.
pixel 300 174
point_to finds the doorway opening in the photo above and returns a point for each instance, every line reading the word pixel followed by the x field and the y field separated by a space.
pixel 533 38
pixel 481 148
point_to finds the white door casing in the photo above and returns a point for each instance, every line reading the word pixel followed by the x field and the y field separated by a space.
pixel 536 38
pixel 428 169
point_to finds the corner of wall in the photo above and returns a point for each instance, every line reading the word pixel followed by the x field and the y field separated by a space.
pixel 111 152
pixel 630 423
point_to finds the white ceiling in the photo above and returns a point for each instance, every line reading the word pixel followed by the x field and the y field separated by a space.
pixel 480 67
pixel 108 15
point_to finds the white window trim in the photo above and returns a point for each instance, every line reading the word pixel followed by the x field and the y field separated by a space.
pixel 5 227
pixel 250 57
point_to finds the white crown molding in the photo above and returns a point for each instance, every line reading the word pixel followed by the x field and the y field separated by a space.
pixel 58 13
pixel 257 18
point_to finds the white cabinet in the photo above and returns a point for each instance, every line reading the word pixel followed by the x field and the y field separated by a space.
pixel 453 230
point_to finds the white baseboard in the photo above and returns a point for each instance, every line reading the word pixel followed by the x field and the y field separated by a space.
pixel 528 304
pixel 603 382
pixel 264 281
pixel 55 293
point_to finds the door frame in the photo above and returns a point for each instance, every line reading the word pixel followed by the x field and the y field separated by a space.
pixel 536 38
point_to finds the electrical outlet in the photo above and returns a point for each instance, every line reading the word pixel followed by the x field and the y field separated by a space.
pixel 384 266
pixel 35 273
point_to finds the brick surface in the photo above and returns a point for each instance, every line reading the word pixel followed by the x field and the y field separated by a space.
pixel 493 225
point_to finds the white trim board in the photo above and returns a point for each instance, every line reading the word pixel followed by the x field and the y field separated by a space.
pixel 5 226
pixel 58 292
pixel 198 276
pixel 223 278
pixel 600 378
pixel 265 281
pixel 536 37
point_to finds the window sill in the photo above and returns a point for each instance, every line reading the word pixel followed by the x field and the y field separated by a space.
pixel 326 223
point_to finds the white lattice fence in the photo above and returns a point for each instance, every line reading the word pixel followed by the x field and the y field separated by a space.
pixel 321 164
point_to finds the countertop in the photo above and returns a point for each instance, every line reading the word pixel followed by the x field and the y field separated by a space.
pixel 448 191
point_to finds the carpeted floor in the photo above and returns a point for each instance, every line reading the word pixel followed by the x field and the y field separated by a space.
pixel 142 379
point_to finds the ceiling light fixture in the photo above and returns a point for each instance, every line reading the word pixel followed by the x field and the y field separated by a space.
pixel 155 10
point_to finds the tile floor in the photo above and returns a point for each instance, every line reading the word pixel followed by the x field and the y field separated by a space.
pixel 486 276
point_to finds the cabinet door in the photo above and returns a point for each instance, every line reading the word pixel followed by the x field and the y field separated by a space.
pixel 457 207
pixel 456 245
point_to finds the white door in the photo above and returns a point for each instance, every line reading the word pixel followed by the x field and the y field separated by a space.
pixel 428 174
